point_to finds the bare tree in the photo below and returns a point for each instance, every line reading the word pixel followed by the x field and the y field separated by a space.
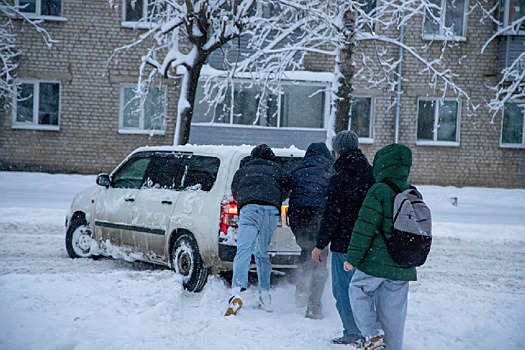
pixel 8 50
pixel 279 33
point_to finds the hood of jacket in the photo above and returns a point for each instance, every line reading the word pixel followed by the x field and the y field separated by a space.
pixel 354 162
pixel 263 152
pixel 318 149
pixel 393 162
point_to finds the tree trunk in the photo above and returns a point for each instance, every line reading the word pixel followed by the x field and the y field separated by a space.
pixel 185 116
pixel 344 93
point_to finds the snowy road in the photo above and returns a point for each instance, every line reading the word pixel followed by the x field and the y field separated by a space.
pixel 470 294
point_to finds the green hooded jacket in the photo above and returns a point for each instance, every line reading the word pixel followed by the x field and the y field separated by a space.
pixel 367 250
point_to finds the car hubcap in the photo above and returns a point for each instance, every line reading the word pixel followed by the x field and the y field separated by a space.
pixel 184 263
pixel 82 241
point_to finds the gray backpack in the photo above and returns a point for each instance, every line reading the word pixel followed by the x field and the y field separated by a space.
pixel 411 237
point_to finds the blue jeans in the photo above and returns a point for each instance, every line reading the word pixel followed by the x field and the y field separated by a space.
pixel 256 225
pixel 379 303
pixel 340 289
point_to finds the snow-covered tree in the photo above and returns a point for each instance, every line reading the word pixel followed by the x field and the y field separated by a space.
pixel 277 35
pixel 9 12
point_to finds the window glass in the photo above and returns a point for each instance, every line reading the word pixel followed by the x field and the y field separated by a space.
pixel 28 6
pixel 454 16
pixel 51 7
pixel 447 122
pixel 247 100
pixel 450 16
pixel 163 172
pixel 48 103
pixel 131 113
pixel 131 175
pixel 24 105
pixel 200 172
pixel 425 120
pixel 360 116
pixel 154 109
pixel 134 10
pixel 302 106
pixel 513 116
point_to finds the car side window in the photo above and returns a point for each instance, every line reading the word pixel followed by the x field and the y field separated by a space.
pixel 200 173
pixel 163 172
pixel 131 174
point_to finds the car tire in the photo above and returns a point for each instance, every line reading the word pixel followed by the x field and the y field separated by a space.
pixel 186 261
pixel 79 242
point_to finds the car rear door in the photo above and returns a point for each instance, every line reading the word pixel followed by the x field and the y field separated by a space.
pixel 155 203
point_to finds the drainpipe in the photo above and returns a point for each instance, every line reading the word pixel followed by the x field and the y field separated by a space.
pixel 398 87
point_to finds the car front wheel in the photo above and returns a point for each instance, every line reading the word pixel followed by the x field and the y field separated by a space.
pixel 79 243
pixel 186 261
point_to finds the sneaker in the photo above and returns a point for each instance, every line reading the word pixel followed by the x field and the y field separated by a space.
pixel 265 301
pixel 235 304
pixel 376 342
pixel 357 343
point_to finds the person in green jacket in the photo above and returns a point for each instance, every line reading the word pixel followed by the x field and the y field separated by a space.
pixel 379 287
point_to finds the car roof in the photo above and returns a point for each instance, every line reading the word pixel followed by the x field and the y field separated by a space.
pixel 219 150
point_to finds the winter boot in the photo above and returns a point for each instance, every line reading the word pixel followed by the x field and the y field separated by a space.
pixel 235 304
pixel 265 301
pixel 376 342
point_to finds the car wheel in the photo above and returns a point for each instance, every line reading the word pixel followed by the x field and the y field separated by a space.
pixel 186 261
pixel 79 243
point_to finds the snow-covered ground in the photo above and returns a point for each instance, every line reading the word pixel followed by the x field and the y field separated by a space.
pixel 470 293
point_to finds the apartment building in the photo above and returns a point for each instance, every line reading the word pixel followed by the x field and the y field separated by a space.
pixel 78 113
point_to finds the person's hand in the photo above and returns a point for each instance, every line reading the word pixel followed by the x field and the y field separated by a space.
pixel 347 266
pixel 316 255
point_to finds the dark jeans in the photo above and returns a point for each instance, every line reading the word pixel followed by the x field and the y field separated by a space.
pixel 310 277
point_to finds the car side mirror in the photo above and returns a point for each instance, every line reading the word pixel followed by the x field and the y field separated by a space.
pixel 103 180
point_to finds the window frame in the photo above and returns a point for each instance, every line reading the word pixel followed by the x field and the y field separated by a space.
pixel 371 129
pixel 505 12
pixel 143 23
pixel 442 36
pixel 36 106
pixel 434 141
pixel 140 130
pixel 512 145
pixel 38 10
pixel 230 123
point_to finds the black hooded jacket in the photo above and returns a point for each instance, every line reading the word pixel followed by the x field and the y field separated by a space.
pixel 309 180
pixel 346 193
pixel 260 180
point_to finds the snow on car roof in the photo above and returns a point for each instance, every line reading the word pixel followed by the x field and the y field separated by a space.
pixel 220 149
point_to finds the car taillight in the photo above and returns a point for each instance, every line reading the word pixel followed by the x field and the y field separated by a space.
pixel 229 217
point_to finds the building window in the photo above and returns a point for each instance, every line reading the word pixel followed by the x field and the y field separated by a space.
pixel 512 129
pixel 361 118
pixel 438 122
pixel 140 13
pixel 293 105
pixel 41 8
pixel 37 105
pixel 509 12
pixel 142 115
pixel 448 21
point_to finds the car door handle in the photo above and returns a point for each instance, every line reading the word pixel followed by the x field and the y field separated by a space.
pixel 129 199
pixel 167 202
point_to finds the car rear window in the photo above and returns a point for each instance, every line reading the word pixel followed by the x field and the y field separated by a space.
pixel 288 163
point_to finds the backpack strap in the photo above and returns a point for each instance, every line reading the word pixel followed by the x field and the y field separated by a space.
pixel 392 185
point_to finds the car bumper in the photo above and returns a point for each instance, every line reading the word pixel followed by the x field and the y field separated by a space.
pixel 278 259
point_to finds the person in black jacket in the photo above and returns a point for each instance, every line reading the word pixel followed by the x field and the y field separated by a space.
pixel 346 193
pixel 258 187
pixel 309 181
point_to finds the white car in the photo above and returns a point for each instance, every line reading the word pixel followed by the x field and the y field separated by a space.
pixel 172 205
